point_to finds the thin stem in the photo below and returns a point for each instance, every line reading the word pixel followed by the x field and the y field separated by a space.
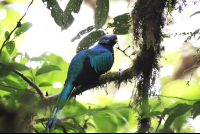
pixel 176 97
pixel 18 25
pixel 39 91
pixel 17 88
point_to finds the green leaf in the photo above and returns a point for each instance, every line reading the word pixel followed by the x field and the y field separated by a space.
pixel 12 103
pixel 18 66
pixel 70 125
pixel 6 34
pixel 180 110
pixel 92 125
pixel 156 106
pixel 27 56
pixel 196 109
pixel 10 46
pixel 105 124
pixel 25 27
pixel 151 114
pixel 63 19
pixel 13 57
pixel 7 89
pixel 166 36
pixel 45 84
pixel 47 69
pixel 82 32
pixel 56 11
pixel 5 71
pixel 121 24
pixel 195 13
pixel 101 13
pixel 198 38
pixel 12 83
pixel 89 40
pixel 72 6
pixel 166 111
pixel 37 59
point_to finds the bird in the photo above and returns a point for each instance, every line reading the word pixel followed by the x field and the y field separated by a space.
pixel 85 68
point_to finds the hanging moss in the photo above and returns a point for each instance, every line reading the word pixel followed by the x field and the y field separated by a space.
pixel 148 21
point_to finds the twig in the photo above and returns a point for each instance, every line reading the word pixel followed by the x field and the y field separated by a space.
pixel 75 122
pixel 158 123
pixel 91 111
pixel 63 128
pixel 18 25
pixel 39 91
pixel 176 97
pixel 35 129
pixel 17 88
pixel 124 51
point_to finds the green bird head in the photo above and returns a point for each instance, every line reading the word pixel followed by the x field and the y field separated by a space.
pixel 110 40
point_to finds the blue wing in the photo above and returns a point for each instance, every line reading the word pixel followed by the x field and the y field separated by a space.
pixel 102 62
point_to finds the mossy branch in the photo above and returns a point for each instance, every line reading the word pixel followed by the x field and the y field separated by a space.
pixel 118 77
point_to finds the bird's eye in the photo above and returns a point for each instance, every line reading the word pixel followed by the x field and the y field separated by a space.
pixel 106 38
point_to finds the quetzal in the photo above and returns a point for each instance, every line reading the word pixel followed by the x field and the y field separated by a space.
pixel 84 68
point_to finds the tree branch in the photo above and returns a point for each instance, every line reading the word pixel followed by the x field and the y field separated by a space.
pixel 117 77
pixel 17 88
pixel 90 111
pixel 176 98
pixel 39 91
pixel 18 25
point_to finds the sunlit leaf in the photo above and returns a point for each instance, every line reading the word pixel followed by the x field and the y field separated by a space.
pixel 25 27
pixel 37 59
pixel 45 84
pixel 52 77
pixel 101 13
pixel 13 57
pixel 12 83
pixel 89 40
pixel 92 125
pixel 151 114
pixel 27 56
pixel 156 106
pixel 105 124
pixel 47 69
pixel 6 34
pixel 10 46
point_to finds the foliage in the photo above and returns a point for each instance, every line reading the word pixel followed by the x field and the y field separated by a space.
pixel 24 107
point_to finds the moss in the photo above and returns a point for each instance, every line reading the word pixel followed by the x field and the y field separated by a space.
pixel 148 18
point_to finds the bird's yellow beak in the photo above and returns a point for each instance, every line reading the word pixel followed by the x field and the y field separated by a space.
pixel 116 40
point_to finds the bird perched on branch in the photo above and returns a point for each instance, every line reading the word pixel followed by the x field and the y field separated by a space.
pixel 84 68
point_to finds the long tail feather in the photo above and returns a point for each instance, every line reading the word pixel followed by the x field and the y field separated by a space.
pixel 49 121
pixel 64 95
pixel 54 120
